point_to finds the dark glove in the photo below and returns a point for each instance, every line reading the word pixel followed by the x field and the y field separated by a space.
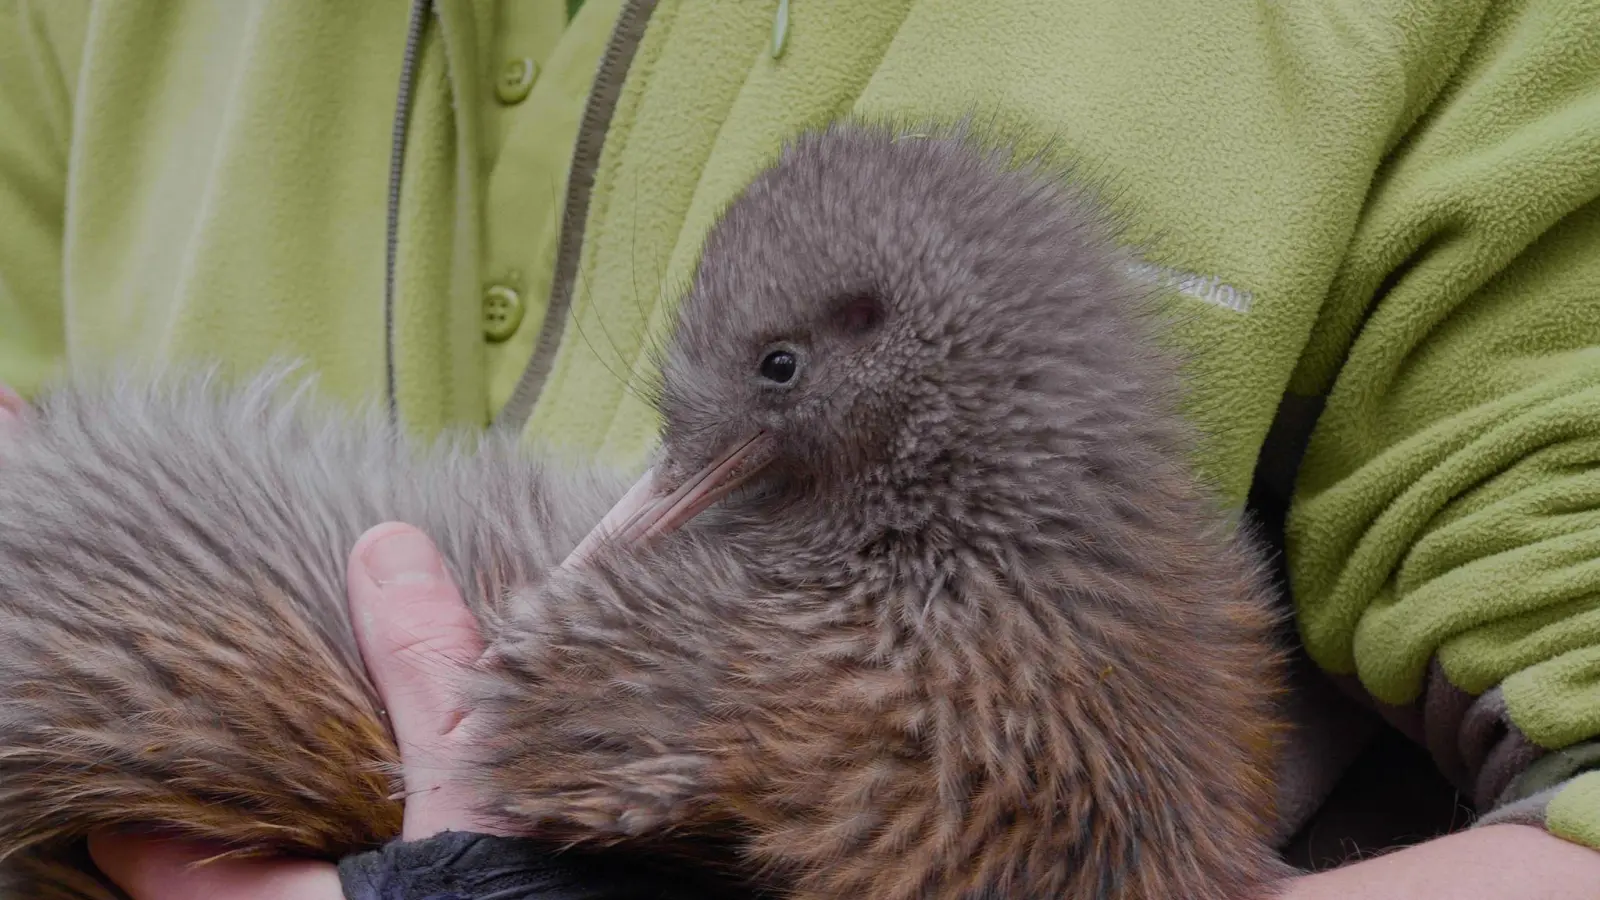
pixel 461 865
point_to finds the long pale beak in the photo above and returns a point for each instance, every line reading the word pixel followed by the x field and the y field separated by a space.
pixel 652 507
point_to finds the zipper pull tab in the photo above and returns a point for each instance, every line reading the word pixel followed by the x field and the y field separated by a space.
pixel 780 29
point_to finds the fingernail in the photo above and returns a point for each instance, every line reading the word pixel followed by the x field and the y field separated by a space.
pixel 403 556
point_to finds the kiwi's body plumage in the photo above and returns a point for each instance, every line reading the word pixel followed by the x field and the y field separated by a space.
pixel 974 631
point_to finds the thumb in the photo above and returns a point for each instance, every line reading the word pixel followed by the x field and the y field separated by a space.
pixel 416 636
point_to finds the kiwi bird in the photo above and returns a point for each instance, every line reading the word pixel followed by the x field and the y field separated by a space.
pixel 919 598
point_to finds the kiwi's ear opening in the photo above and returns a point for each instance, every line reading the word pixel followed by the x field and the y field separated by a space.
pixel 858 314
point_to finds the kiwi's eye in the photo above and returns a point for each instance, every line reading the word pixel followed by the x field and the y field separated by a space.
pixel 779 366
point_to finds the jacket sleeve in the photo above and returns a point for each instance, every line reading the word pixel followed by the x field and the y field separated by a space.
pixel 1444 538
pixel 38 42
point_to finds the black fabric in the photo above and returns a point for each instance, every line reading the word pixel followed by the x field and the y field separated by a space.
pixel 1393 794
pixel 460 865
pixel 1393 797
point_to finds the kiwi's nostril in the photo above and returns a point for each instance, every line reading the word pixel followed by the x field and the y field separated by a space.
pixel 779 366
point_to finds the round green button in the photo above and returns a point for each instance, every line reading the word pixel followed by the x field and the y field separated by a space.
pixel 502 312
pixel 516 80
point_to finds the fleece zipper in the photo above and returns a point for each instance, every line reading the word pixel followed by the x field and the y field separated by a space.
pixel 397 155
pixel 603 96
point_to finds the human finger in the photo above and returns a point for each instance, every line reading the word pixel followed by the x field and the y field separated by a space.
pixel 416 636
pixel 154 869
pixel 12 407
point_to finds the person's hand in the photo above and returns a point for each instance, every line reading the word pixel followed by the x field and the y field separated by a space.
pixel 413 630
pixel 1495 862
pixel 12 407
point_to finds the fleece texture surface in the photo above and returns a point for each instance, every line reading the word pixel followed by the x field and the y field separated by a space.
pixel 1387 209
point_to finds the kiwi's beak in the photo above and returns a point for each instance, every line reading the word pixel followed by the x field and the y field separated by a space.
pixel 655 505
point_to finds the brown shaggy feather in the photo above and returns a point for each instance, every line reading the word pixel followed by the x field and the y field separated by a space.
pixel 975 632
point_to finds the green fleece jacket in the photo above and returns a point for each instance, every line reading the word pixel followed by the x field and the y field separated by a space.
pixel 1381 218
